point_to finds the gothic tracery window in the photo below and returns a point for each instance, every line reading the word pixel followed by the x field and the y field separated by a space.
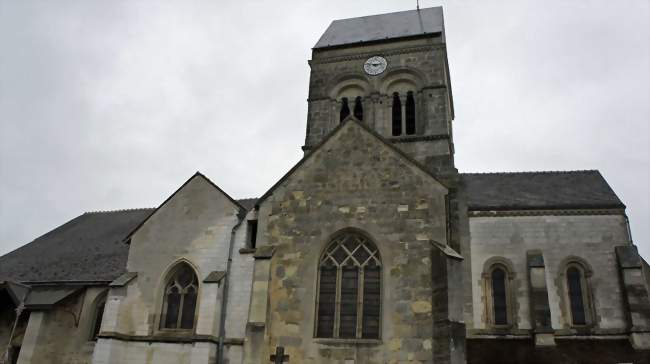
pixel 179 304
pixel 349 289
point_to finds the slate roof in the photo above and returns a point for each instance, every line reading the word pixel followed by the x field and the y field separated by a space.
pixel 87 248
pixel 401 24
pixel 539 190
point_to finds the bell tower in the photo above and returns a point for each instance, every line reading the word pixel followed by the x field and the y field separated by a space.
pixel 390 71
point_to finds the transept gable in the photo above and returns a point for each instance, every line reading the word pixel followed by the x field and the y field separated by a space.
pixel 352 147
pixel 198 183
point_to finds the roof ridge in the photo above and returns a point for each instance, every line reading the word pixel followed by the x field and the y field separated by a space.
pixel 118 210
pixel 532 172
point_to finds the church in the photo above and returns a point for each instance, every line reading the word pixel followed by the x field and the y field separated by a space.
pixel 372 249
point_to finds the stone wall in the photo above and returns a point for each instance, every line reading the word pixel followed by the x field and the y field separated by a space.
pixel 589 238
pixel 352 181
pixel 194 226
pixel 63 334
pixel 419 65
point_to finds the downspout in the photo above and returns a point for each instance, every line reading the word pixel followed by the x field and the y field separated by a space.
pixel 224 301
pixel 19 311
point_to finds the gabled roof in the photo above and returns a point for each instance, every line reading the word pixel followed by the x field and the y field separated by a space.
pixel 242 209
pixel 403 24
pixel 539 190
pixel 87 248
pixel 349 119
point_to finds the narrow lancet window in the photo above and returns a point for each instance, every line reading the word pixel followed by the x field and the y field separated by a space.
pixel 358 108
pixel 345 109
pixel 410 113
pixel 574 281
pixel 397 115
pixel 499 297
pixel 180 299
pixel 349 295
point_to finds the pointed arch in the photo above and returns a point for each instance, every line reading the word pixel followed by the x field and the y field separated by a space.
pixel 180 297
pixel 349 288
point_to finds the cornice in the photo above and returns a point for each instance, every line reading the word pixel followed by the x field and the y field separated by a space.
pixel 402 140
pixel 166 338
pixel 554 212
pixel 365 55
pixel 421 138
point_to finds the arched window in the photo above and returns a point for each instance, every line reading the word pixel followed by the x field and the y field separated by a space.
pixel 410 113
pixel 100 304
pixel 497 283
pixel 499 296
pixel 349 290
pixel 179 304
pixel 397 115
pixel 345 109
pixel 358 108
pixel 575 288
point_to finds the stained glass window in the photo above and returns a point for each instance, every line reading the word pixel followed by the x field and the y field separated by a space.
pixel 179 306
pixel 349 289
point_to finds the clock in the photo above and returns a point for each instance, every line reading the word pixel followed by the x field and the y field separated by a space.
pixel 375 65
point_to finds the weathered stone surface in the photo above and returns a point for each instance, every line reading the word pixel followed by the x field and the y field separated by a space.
pixel 360 173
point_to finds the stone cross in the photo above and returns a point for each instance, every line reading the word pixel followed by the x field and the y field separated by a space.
pixel 279 357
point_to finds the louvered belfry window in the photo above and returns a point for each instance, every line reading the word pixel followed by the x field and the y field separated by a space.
pixel 180 299
pixel 349 292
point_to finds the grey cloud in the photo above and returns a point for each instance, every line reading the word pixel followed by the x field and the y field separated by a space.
pixel 107 105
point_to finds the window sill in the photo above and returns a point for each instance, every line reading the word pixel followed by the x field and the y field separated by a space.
pixel 328 341
pixel 247 250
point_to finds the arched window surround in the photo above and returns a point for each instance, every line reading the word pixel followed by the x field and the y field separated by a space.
pixel 363 307
pixel 490 266
pixel 586 273
pixel 166 277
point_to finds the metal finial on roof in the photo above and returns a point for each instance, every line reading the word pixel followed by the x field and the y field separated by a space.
pixel 418 5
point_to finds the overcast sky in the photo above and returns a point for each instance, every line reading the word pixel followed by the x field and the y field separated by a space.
pixel 113 104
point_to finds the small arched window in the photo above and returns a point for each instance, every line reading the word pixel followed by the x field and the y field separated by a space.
pixel 410 113
pixel 349 289
pixel 179 306
pixel 397 115
pixel 497 281
pixel 358 108
pixel 100 305
pixel 345 109
pixel 575 285
pixel 499 296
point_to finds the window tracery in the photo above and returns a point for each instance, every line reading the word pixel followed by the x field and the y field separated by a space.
pixel 349 289
pixel 180 298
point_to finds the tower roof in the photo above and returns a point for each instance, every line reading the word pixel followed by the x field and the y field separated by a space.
pixel 401 24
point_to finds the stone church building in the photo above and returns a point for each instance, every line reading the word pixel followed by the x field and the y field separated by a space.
pixel 372 249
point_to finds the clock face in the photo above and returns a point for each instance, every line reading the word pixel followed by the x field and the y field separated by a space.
pixel 375 65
